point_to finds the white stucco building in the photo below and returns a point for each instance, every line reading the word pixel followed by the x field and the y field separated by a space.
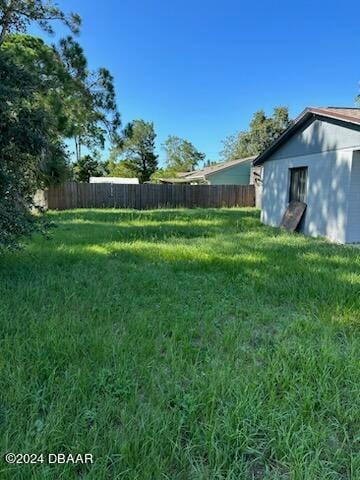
pixel 316 160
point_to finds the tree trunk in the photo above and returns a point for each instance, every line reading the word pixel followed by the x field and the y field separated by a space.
pixel 77 148
pixel 144 172
pixel 2 35
pixel 5 22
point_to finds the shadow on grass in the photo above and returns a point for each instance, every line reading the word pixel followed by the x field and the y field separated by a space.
pixel 113 215
pixel 95 226
pixel 278 268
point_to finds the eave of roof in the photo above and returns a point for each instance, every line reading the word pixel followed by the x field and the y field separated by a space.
pixel 335 113
pixel 173 180
pixel 180 181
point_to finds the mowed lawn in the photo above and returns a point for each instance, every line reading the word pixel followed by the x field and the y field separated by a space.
pixel 180 344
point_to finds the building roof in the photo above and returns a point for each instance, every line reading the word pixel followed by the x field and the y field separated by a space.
pixel 348 116
pixel 216 168
pixel 120 180
pixel 179 180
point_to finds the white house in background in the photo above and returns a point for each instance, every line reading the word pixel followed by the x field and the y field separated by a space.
pixel 235 172
pixel 316 161
pixel 119 180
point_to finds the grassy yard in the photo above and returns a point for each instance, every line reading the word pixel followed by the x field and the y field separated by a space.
pixel 187 344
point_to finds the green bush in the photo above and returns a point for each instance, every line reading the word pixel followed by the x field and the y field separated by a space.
pixel 28 142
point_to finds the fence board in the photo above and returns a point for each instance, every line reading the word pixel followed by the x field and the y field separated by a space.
pixel 106 195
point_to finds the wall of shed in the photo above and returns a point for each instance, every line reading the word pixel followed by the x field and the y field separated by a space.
pixel 328 187
pixel 353 216
pixel 237 175
pixel 333 203
pixel 318 137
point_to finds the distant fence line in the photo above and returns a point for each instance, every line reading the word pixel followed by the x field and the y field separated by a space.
pixel 96 195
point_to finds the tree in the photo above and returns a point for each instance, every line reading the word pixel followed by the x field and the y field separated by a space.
pixel 32 151
pixel 56 86
pixel 82 102
pixel 263 131
pixel 87 167
pixel 28 141
pixel 118 169
pixel 92 114
pixel 51 84
pixel 16 16
pixel 137 150
pixel 209 163
pixel 161 173
pixel 54 168
pixel 181 155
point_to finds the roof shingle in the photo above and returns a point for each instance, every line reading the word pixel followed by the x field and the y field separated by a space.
pixel 350 114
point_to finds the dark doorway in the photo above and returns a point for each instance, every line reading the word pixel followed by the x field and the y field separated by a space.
pixel 298 181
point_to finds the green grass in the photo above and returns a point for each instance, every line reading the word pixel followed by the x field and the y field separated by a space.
pixel 181 344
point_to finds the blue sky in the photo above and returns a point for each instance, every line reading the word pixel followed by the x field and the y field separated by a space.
pixel 200 69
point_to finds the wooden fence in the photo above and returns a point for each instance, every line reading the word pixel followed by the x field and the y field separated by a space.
pixel 106 195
